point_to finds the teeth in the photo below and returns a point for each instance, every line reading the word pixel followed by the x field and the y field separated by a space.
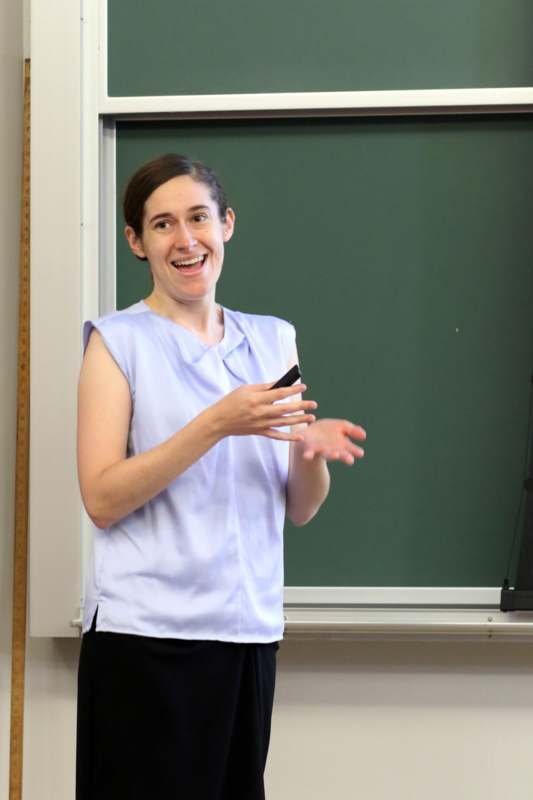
pixel 188 263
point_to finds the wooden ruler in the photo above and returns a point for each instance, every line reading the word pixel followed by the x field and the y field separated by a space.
pixel 20 565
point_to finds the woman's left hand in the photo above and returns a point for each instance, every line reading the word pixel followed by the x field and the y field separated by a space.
pixel 332 439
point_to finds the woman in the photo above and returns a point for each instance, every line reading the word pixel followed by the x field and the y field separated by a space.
pixel 187 463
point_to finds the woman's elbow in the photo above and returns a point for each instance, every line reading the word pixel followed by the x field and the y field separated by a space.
pixel 301 518
pixel 96 513
pixel 98 520
pixel 102 524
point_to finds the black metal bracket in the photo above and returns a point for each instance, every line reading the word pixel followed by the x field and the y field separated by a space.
pixel 520 598
pixel 516 600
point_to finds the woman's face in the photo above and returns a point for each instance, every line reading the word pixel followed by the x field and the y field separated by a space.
pixel 183 239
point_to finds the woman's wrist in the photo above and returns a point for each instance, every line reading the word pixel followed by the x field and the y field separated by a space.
pixel 214 422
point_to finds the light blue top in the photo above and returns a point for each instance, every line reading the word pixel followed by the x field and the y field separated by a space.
pixel 204 558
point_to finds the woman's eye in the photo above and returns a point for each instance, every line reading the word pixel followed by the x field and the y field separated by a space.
pixel 163 224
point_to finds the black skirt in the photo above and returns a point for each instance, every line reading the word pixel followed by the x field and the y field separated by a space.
pixel 160 719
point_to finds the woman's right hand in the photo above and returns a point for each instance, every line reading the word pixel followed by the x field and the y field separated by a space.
pixel 254 409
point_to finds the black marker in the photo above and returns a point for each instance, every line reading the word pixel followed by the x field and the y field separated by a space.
pixel 289 378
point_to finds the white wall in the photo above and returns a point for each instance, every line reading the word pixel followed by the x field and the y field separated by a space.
pixel 378 720
pixel 409 721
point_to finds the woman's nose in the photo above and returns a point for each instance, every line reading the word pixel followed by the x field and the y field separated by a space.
pixel 184 238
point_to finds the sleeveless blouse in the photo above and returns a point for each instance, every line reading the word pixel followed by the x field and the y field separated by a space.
pixel 204 558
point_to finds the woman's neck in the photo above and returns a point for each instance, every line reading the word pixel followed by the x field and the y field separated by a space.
pixel 204 318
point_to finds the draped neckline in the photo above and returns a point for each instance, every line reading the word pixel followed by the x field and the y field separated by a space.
pixel 193 348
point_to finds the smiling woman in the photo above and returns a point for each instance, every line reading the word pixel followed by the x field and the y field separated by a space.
pixel 182 236
pixel 188 461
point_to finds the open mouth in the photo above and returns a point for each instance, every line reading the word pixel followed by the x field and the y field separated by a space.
pixel 189 264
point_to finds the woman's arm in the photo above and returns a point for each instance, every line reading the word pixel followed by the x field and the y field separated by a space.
pixel 113 485
pixel 309 479
pixel 308 485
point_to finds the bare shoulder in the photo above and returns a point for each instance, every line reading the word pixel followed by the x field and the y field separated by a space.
pixel 104 411
pixel 99 366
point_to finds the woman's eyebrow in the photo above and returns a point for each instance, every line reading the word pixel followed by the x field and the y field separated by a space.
pixel 163 214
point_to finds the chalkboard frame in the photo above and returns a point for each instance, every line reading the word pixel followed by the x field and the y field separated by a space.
pixel 408 101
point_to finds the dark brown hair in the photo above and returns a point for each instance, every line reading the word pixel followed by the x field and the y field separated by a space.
pixel 153 174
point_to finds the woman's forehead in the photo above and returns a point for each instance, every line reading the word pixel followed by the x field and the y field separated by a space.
pixel 178 194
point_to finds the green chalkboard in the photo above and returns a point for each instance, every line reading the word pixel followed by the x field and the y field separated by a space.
pixel 203 47
pixel 402 251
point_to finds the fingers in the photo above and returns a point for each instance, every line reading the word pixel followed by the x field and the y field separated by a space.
pixel 348 454
pixel 333 455
pixel 283 391
pixel 286 391
pixel 292 408
pixel 353 449
pixel 354 431
pixel 284 437
pixel 349 457
pixel 297 419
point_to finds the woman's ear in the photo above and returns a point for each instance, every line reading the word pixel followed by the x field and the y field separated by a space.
pixel 229 224
pixel 135 242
